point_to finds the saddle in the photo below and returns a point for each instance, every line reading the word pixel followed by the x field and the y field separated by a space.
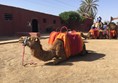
pixel 73 42
pixel 94 33
pixel 112 33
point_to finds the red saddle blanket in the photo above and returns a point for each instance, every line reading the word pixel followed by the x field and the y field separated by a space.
pixel 73 42
pixel 53 36
pixel 113 33
pixel 94 32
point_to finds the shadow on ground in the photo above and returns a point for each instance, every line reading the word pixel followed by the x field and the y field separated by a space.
pixel 91 56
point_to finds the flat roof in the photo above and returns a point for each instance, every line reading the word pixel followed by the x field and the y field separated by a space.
pixel 27 10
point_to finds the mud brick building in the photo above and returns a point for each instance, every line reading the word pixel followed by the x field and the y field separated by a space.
pixel 14 20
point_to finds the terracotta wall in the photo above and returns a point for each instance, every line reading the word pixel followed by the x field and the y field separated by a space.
pixel 21 20
pixel 86 25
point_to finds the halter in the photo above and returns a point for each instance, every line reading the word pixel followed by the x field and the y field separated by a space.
pixel 25 41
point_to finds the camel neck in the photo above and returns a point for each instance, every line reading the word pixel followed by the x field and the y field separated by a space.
pixel 41 54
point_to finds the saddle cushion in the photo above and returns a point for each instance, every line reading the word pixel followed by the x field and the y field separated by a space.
pixel 94 32
pixel 73 42
pixel 53 36
pixel 112 33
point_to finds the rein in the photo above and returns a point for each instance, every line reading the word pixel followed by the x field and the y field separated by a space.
pixel 23 51
pixel 23 54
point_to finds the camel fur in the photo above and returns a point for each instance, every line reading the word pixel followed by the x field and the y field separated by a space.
pixel 113 27
pixel 56 52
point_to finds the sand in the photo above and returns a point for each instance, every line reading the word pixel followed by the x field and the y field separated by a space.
pixel 99 66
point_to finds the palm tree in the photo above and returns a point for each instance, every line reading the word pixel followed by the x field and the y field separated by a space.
pixel 88 7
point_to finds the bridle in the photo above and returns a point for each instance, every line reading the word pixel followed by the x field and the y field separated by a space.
pixel 25 41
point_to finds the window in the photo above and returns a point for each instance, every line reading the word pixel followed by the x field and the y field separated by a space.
pixel 54 21
pixel 8 16
pixel 44 20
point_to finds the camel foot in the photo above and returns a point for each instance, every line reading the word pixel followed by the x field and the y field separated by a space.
pixel 31 63
pixel 58 60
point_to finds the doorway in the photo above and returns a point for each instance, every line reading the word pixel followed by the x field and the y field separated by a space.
pixel 34 25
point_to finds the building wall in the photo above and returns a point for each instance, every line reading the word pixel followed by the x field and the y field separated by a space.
pixel 22 19
pixel 86 25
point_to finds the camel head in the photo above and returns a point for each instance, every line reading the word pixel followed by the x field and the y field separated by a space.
pixel 29 41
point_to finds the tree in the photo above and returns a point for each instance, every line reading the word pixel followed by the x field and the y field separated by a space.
pixel 88 8
pixel 71 19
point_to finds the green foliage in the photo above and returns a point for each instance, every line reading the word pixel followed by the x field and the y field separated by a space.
pixel 88 7
pixel 69 17
pixel 82 19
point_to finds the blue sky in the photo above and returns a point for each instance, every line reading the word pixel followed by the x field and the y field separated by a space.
pixel 106 8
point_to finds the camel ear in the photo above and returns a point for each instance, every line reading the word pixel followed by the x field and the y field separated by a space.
pixel 22 37
pixel 36 39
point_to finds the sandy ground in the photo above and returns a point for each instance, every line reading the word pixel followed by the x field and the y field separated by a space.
pixel 99 66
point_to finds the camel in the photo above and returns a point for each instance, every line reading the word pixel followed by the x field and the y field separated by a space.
pixel 55 53
pixel 113 30
pixel 93 34
pixel 103 34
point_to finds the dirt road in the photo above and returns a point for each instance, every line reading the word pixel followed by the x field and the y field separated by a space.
pixel 99 66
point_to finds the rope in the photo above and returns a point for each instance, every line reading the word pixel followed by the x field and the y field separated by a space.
pixel 23 55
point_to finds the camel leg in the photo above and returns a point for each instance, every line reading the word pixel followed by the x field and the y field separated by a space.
pixel 84 36
pixel 60 53
pixel 61 56
pixel 59 60
pixel 84 51
pixel 89 36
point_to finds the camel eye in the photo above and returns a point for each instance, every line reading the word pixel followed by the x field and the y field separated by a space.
pixel 29 38
pixel 36 39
